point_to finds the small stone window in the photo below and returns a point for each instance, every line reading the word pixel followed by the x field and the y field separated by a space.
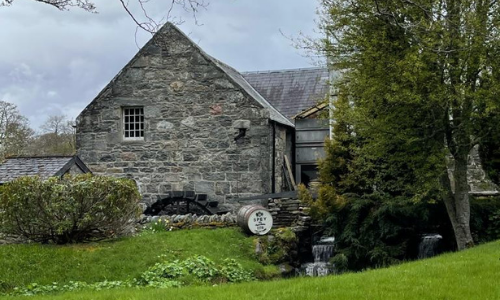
pixel 133 123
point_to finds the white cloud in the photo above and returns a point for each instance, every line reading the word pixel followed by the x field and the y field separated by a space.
pixel 51 94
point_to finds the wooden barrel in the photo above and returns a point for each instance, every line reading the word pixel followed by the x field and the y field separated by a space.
pixel 254 219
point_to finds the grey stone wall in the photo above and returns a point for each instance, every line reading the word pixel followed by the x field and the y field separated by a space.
pixel 479 183
pixel 190 107
pixel 190 221
pixel 288 212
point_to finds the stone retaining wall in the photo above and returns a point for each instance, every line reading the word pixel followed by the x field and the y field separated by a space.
pixel 191 221
pixel 288 212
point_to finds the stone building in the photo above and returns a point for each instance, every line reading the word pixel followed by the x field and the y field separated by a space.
pixel 177 119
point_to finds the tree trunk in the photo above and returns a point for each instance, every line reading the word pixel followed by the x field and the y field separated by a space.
pixel 458 204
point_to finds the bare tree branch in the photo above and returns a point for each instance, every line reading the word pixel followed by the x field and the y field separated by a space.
pixel 61 4
pixel 149 24
pixel 149 27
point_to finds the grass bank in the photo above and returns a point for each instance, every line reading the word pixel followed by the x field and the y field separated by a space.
pixel 120 259
pixel 471 274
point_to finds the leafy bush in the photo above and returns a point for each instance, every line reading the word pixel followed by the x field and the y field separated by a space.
pixel 279 247
pixel 201 267
pixel 161 275
pixel 232 271
pixel 195 269
pixel 73 209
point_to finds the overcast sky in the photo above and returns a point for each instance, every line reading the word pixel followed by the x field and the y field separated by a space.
pixel 55 63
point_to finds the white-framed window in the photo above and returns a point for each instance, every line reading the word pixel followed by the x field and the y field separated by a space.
pixel 133 123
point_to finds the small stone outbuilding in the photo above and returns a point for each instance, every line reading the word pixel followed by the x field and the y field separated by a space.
pixel 42 166
pixel 177 119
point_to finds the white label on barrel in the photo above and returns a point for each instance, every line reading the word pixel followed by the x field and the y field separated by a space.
pixel 260 222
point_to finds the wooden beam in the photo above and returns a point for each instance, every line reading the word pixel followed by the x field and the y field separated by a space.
pixel 290 174
pixel 292 194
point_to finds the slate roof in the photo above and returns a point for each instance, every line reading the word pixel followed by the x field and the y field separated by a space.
pixel 290 91
pixel 43 166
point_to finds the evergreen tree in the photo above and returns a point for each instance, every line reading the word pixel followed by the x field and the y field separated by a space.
pixel 423 79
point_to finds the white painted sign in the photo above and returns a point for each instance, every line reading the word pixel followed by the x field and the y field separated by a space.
pixel 260 222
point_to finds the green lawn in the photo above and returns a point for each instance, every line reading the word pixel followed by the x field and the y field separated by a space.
pixel 120 259
pixel 471 274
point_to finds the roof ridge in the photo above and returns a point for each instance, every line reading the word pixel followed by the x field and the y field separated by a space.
pixel 39 156
pixel 283 70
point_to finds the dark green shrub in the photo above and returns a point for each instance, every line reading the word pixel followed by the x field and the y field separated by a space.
pixel 377 230
pixel 340 262
pixel 485 219
pixel 279 247
pixel 74 209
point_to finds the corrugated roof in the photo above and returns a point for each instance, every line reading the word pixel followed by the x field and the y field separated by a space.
pixel 290 91
pixel 44 166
